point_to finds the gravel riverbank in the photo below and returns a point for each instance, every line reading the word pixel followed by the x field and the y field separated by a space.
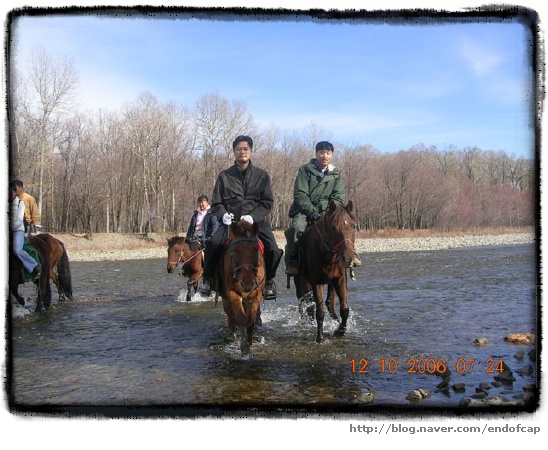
pixel 440 243
pixel 113 246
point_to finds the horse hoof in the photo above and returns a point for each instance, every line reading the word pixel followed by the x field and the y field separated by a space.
pixel 340 332
pixel 247 354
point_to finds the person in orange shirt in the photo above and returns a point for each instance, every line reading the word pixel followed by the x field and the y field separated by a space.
pixel 32 213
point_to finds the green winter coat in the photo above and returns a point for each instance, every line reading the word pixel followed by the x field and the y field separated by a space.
pixel 312 192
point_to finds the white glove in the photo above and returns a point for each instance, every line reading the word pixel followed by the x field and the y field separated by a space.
pixel 227 218
pixel 247 218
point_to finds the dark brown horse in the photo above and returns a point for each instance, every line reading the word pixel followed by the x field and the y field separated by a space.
pixel 242 281
pixel 179 252
pixel 17 275
pixel 59 270
pixel 327 251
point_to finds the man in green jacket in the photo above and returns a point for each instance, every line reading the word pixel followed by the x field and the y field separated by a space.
pixel 316 185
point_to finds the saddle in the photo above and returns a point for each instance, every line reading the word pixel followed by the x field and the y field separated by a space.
pixel 194 244
pixel 27 276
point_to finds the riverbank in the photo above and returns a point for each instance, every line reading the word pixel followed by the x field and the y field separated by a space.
pixel 116 246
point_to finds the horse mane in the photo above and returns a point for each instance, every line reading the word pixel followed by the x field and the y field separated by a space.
pixel 244 229
pixel 174 240
pixel 337 213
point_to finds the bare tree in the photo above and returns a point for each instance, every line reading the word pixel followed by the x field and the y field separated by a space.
pixel 355 167
pixel 51 86
pixel 143 167
pixel 218 121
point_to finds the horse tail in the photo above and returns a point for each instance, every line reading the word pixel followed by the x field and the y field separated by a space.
pixel 64 276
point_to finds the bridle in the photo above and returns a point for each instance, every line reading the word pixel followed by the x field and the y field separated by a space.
pixel 233 271
pixel 334 247
pixel 181 260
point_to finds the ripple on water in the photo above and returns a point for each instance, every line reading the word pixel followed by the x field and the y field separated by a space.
pixel 131 338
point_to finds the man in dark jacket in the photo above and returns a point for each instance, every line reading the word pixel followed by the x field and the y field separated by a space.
pixel 202 224
pixel 317 184
pixel 242 192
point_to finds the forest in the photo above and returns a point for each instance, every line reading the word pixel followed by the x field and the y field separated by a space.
pixel 141 169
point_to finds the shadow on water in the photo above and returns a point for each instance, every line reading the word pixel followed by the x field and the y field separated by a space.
pixel 129 339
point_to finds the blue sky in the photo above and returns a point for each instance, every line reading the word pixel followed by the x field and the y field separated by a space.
pixel 389 85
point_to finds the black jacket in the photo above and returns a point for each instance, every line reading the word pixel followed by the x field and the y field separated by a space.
pixel 209 225
pixel 242 193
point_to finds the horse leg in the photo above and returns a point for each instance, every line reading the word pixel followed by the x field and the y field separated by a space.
pixel 320 314
pixel 53 277
pixel 47 290
pixel 304 295
pixel 15 292
pixel 196 273
pixel 43 289
pixel 258 320
pixel 189 285
pixel 252 311
pixel 330 301
pixel 340 288
pixel 230 318
pixel 242 321
pixel 39 297
pixel 192 285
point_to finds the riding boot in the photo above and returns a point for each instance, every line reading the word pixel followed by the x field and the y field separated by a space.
pixel 272 261
pixel 209 262
pixel 269 292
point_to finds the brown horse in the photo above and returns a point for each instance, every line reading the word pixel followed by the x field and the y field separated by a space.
pixel 17 275
pixel 191 260
pixel 242 281
pixel 59 270
pixel 327 251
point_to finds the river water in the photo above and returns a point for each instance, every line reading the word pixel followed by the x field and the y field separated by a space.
pixel 130 340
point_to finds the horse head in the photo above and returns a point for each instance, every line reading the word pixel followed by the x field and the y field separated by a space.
pixel 339 224
pixel 175 252
pixel 245 254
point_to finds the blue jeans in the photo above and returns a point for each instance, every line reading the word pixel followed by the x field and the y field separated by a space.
pixel 28 261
